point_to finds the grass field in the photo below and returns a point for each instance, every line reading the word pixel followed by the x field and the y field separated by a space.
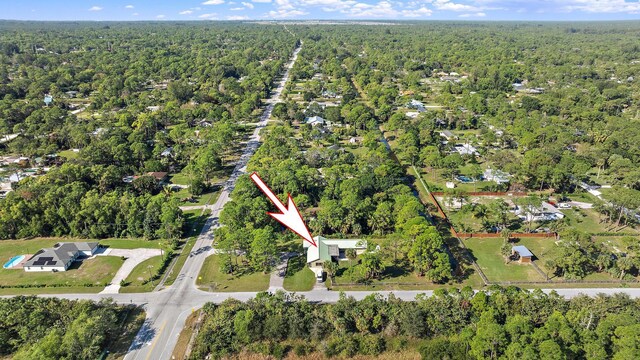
pixel 212 279
pixel 206 198
pixel 585 220
pixel 488 257
pixel 140 273
pixel 299 277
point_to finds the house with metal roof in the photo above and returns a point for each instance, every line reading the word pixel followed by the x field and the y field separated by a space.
pixel 60 256
pixel 524 255
pixel 315 120
pixel 330 249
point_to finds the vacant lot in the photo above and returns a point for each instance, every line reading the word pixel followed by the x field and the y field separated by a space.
pixel 212 279
pixel 398 276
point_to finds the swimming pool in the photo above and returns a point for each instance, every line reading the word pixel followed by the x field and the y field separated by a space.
pixel 464 179
pixel 13 261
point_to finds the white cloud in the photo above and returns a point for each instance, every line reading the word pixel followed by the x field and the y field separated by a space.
pixel 248 5
pixel 286 13
pixel 261 1
pixel 379 10
pixel 236 9
pixel 423 11
pixel 213 2
pixel 237 18
pixel 135 14
pixel 447 5
pixel 95 8
pixel 284 5
pixel 208 16
pixel 160 16
pixel 186 12
pixel 602 6
pixel 478 14
pixel 129 7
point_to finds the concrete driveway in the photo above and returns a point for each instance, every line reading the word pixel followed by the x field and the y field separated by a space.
pixel 134 257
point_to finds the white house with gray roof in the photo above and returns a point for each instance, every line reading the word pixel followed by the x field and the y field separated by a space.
pixel 60 256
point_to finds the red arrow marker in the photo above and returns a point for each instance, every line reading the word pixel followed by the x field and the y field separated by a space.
pixel 290 216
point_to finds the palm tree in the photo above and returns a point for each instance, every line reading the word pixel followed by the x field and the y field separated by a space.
pixel 506 251
pixel 167 191
pixel 330 268
pixel 351 255
pixel 624 264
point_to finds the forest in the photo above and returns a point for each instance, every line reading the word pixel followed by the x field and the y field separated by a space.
pixel 504 323
pixel 127 100
pixel 49 328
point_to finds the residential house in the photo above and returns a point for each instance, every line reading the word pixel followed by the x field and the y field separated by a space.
pixel 447 135
pixel 523 254
pixel 71 94
pixel 60 256
pixel 160 176
pixel 327 94
pixel 168 152
pixel 416 105
pixel 466 149
pixel 545 212
pixel 497 176
pixel 330 249
pixel 315 121
pixel 204 123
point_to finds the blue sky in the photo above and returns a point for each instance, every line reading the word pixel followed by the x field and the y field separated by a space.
pixel 572 10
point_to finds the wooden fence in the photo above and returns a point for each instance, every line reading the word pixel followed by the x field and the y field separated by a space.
pixel 484 193
pixel 514 235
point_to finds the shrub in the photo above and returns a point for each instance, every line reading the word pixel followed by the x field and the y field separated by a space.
pixel 371 345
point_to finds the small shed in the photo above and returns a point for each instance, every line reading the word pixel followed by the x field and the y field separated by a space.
pixel 524 255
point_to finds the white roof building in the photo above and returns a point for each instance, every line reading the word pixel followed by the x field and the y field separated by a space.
pixel 466 149
pixel 315 120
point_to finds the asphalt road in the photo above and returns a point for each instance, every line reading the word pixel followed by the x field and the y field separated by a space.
pixel 168 309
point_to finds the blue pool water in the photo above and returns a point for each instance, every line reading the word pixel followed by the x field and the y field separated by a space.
pixel 464 179
pixel 13 261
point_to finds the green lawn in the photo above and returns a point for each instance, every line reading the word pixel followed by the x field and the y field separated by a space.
pixel 299 277
pixel 212 279
pixel 585 220
pixel 69 154
pixel 488 257
pixel 140 273
pixel 208 197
